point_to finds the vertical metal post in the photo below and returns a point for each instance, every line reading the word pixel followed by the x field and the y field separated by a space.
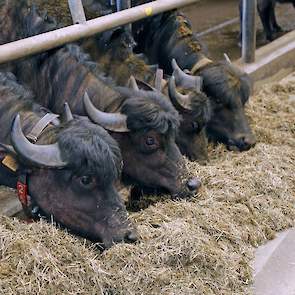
pixel 122 5
pixel 77 11
pixel 248 31
pixel 126 4
pixel 118 5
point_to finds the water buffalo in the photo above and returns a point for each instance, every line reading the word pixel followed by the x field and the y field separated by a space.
pixel 113 50
pixel 266 10
pixel 194 108
pixel 169 36
pixel 143 124
pixel 70 171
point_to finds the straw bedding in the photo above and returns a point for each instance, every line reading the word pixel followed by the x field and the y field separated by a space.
pixel 201 246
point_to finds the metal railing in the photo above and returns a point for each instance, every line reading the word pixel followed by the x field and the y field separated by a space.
pixel 43 42
pixel 248 31
pixel 77 11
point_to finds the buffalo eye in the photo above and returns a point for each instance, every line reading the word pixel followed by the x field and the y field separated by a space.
pixel 87 181
pixel 150 141
pixel 150 144
pixel 218 100
pixel 195 126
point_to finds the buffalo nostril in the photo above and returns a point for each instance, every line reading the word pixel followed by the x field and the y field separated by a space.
pixel 194 184
pixel 231 142
pixel 203 162
pixel 241 143
pixel 247 142
pixel 250 141
pixel 131 237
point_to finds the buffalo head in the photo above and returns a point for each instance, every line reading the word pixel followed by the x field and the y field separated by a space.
pixel 194 109
pixel 145 130
pixel 228 90
pixel 71 175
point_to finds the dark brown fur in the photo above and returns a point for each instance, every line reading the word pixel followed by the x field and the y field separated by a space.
pixel 169 35
pixel 65 74
pixel 95 210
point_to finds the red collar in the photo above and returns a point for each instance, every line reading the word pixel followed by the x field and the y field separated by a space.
pixel 22 190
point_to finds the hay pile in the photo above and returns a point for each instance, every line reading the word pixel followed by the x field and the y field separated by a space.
pixel 202 246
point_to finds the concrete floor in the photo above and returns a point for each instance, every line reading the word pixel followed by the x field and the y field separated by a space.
pixel 9 203
pixel 208 13
pixel 274 265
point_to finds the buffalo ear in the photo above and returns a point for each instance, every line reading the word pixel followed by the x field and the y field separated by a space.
pixel 3 154
pixel 8 157
pixel 7 149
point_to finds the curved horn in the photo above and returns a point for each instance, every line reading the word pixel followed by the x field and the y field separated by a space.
pixel 40 155
pixel 141 56
pixel 67 113
pixel 227 58
pixel 153 68
pixel 185 80
pixel 116 122
pixel 132 83
pixel 177 98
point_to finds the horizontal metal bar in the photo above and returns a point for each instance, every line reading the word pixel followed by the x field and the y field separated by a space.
pixel 218 27
pixel 25 47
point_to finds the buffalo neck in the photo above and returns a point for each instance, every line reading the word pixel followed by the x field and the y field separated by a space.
pixel 30 115
pixel 65 77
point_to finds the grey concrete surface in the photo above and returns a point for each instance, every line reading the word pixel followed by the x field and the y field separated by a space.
pixel 275 266
pixel 272 58
pixel 9 203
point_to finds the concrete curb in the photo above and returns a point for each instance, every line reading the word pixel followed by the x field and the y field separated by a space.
pixel 276 276
pixel 272 59
pixel 9 203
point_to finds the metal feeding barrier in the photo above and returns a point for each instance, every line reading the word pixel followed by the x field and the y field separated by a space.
pixel 82 28
pixel 248 31
pixel 125 15
pixel 77 11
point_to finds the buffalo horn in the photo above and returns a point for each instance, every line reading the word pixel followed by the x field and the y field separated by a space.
pixel 227 59
pixel 67 113
pixel 140 55
pixel 185 80
pixel 153 68
pixel 182 100
pixel 133 84
pixel 40 155
pixel 116 122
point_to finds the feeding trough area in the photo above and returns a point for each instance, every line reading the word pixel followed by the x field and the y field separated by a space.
pixel 203 246
pixel 201 241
